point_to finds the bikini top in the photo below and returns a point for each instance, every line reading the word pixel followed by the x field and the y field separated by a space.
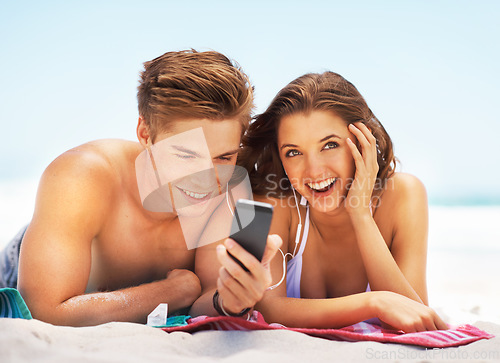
pixel 294 266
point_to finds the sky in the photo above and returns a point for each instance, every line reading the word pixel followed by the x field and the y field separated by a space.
pixel 428 70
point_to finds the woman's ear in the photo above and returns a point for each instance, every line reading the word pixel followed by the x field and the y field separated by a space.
pixel 143 134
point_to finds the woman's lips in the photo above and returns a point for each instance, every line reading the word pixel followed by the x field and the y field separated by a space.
pixel 322 186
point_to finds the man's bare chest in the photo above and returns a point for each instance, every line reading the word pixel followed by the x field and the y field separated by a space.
pixel 131 250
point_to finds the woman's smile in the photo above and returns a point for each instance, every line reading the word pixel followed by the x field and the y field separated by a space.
pixel 323 185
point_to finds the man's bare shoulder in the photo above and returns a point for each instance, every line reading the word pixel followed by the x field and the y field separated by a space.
pixel 88 176
pixel 101 158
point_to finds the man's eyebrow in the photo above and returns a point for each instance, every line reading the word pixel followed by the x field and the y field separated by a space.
pixel 331 136
pixel 232 152
pixel 184 150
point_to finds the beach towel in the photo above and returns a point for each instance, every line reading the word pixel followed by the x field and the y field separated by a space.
pixel 12 304
pixel 455 336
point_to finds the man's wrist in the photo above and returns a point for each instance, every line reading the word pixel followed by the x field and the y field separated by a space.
pixel 217 303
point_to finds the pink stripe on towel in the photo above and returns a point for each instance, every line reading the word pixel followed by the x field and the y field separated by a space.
pixel 458 335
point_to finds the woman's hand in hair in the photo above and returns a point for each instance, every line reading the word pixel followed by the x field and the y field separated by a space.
pixel 365 159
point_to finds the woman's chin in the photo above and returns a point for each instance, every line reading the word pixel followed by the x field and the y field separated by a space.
pixel 326 204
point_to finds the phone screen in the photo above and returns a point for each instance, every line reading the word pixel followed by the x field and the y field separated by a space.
pixel 250 226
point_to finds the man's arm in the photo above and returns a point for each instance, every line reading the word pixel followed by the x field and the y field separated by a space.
pixel 238 289
pixel 73 201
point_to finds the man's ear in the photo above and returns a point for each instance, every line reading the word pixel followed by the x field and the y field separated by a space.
pixel 143 134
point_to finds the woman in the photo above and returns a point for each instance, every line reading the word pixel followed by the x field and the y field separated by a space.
pixel 356 245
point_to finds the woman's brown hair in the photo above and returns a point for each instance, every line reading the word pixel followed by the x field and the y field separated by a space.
pixel 326 91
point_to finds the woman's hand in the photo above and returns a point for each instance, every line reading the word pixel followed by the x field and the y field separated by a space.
pixel 361 189
pixel 405 314
pixel 240 289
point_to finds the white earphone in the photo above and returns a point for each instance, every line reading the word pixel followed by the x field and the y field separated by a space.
pixel 303 201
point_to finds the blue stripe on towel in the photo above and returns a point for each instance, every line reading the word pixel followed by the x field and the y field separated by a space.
pixel 12 304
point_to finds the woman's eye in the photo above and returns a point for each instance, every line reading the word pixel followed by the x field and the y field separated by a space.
pixel 224 158
pixel 291 153
pixel 331 145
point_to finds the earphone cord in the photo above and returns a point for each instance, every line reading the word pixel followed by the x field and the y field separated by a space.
pixel 297 237
pixel 284 270
pixel 299 226
pixel 227 199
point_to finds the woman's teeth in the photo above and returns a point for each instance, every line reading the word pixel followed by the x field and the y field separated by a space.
pixel 194 195
pixel 324 184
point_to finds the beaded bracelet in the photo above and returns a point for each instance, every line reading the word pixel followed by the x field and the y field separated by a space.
pixel 217 303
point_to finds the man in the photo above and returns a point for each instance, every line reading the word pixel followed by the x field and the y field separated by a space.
pixel 95 250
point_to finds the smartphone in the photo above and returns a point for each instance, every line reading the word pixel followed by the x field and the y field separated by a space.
pixel 250 227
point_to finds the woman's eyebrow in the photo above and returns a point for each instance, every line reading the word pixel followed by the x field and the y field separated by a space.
pixel 331 136
pixel 287 145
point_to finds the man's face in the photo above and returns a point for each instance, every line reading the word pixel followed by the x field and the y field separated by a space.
pixel 193 162
pixel 191 146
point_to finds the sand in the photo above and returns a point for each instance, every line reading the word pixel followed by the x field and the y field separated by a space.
pixel 35 341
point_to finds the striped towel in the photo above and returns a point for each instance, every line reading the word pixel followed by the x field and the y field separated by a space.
pixel 12 304
pixel 455 336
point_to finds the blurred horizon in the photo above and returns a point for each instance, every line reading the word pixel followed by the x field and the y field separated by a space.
pixel 428 70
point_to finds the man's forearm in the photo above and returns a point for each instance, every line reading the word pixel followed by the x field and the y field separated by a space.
pixel 131 304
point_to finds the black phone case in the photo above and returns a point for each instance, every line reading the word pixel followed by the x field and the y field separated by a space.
pixel 251 222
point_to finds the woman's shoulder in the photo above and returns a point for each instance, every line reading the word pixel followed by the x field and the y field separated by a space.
pixel 403 185
pixel 403 199
pixel 401 194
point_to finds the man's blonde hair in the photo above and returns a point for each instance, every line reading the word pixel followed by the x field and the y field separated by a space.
pixel 191 84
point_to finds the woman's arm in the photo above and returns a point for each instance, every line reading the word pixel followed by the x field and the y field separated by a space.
pixel 393 309
pixel 401 269
pixel 398 311
pixel 403 205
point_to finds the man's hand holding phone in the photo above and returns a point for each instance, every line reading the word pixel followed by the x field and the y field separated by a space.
pixel 245 257
pixel 240 289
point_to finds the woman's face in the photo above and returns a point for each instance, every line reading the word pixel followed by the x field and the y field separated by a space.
pixel 314 152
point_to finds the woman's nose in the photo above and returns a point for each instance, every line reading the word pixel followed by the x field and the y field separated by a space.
pixel 314 167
